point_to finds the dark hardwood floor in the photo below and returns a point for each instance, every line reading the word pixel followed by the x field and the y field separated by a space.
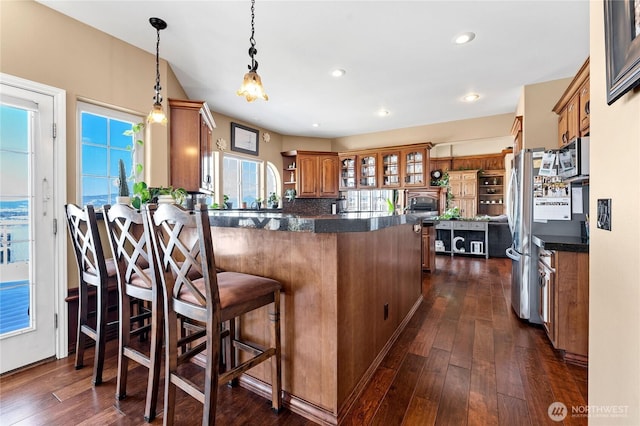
pixel 463 359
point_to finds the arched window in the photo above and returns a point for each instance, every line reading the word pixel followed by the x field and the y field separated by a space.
pixel 273 180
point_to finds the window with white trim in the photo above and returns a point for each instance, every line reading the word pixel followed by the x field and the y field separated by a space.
pixel 102 144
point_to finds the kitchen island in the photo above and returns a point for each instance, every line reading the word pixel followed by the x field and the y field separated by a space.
pixel 350 284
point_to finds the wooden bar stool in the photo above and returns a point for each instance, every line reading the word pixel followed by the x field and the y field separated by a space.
pixel 132 255
pixel 94 273
pixel 182 242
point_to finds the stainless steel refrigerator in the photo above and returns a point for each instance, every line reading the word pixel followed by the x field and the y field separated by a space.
pixel 525 295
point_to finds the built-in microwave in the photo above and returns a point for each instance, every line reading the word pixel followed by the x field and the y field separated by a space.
pixel 573 159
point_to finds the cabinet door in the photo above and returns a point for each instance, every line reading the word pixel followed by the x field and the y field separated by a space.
pixel 563 136
pixel 206 156
pixel 585 108
pixel 307 176
pixel 573 120
pixel 367 167
pixel 467 206
pixel 414 167
pixel 456 188
pixel 428 248
pixel 184 155
pixel 328 178
pixel 469 188
pixel 348 174
pixel 389 169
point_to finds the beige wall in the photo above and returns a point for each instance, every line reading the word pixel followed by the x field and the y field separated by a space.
pixel 451 131
pixel 39 44
pixel 614 256
pixel 540 123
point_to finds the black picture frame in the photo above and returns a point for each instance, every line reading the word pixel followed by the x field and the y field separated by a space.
pixel 622 47
pixel 244 139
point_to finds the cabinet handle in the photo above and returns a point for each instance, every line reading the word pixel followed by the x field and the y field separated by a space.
pixel 587 107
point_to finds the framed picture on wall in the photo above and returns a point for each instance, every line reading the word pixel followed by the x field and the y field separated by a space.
pixel 622 46
pixel 244 139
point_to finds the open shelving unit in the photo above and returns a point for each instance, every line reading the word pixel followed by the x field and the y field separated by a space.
pixel 491 193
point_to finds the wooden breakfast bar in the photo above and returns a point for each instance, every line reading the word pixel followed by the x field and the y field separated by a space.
pixel 350 284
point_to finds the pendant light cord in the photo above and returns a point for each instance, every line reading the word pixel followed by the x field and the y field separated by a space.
pixel 157 98
pixel 252 50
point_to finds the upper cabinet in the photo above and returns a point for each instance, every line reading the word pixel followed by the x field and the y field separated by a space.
pixel 389 169
pixel 403 166
pixel 348 172
pixel 367 170
pixel 415 164
pixel 191 151
pixel 573 108
pixel 311 174
pixel 516 132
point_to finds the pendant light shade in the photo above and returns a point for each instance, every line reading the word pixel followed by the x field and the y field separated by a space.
pixel 252 88
pixel 157 114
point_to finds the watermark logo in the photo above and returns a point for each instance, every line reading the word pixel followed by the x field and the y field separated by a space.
pixel 557 411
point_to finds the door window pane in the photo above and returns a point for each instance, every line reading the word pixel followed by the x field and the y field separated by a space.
pixel 15 211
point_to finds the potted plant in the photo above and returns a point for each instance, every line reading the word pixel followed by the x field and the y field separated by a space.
pixel 273 200
pixel 142 194
pixel 136 168
pixel 123 187
pixel 168 194
pixel 258 203
pixel 228 204
pixel 290 194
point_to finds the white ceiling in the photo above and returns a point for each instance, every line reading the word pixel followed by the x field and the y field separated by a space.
pixel 398 55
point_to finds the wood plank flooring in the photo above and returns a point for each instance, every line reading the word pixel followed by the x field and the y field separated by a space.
pixel 464 359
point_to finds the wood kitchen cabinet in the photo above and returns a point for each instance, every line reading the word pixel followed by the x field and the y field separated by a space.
pixel 564 302
pixel 389 169
pixel 191 151
pixel 403 166
pixel 312 174
pixel 585 108
pixel 573 108
pixel 367 170
pixel 463 186
pixel 491 194
pixel 429 248
pixel 348 172
pixel 415 164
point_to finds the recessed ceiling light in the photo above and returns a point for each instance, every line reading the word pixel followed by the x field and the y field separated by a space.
pixel 464 38
pixel 471 97
pixel 316 125
pixel 383 113
pixel 338 72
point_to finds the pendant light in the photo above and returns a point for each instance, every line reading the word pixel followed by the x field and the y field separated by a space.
pixel 251 87
pixel 157 114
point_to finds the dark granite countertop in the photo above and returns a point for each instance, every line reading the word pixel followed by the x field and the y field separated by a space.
pixel 561 243
pixel 347 222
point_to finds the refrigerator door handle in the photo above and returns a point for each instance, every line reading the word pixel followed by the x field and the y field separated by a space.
pixel 511 200
pixel 512 254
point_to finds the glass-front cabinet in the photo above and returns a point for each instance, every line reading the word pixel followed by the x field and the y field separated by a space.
pixel 348 173
pixel 415 165
pixel 367 163
pixel 390 169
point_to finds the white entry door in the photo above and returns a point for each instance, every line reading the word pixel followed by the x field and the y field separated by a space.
pixel 27 228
